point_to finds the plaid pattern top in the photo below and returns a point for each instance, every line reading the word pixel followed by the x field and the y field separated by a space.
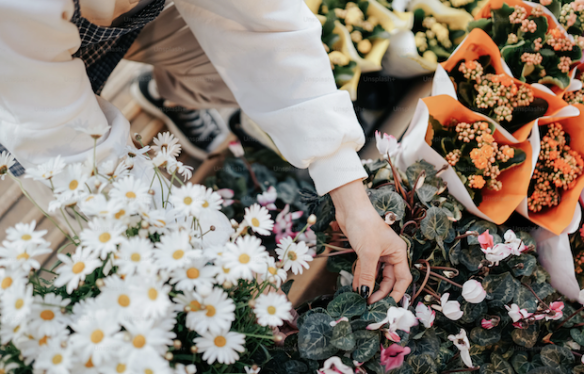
pixel 103 47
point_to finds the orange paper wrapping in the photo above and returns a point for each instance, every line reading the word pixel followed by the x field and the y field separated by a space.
pixel 556 219
pixel 497 205
pixel 485 11
pixel 478 43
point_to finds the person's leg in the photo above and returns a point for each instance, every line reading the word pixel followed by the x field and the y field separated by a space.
pixel 186 87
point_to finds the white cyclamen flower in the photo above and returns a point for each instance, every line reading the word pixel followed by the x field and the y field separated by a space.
pixel 461 342
pixel 450 308
pixel 245 257
pixel 272 309
pixel 397 319
pixel 294 255
pixel 498 252
pixel 516 313
pixel 473 291
pixel 334 365
pixel 6 162
pixel 515 243
pixel 221 347
pixel 75 268
pixel 425 315
pixel 46 170
pixel 258 218
pixel 386 144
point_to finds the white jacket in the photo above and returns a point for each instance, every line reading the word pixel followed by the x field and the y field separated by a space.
pixel 267 51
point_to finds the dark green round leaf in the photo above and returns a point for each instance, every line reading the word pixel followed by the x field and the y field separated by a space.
pixel 522 265
pixel 501 288
pixel 385 199
pixel 577 335
pixel 314 337
pixel 348 304
pixel 557 357
pixel 305 315
pixel 525 337
pixel 485 337
pixel 367 345
pixel 436 224
pixel 521 363
pixel 422 364
pixel 378 311
pixel 343 337
pixel 525 299
pixel 295 367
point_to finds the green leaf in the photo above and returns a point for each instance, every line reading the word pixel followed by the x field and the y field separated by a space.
pixel 435 225
pixel 471 257
pixel 525 299
pixel 501 288
pixel 385 200
pixel 367 345
pixel 429 344
pixel 517 159
pixel 422 364
pixel 485 24
pixel 414 170
pixel 287 286
pixel 522 265
pixel 521 363
pixel 378 311
pixel 502 27
pixel 335 264
pixel 287 190
pixel 295 367
pixel 426 193
pixel 557 357
pixel 472 312
pixel 348 304
pixel 304 316
pixel 485 337
pixel 577 335
pixel 314 337
pixel 545 370
pixel 343 337
pixel 525 337
pixel 543 290
pixel 498 365
pixel 264 176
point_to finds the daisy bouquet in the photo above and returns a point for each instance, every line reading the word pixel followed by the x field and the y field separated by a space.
pixel 534 45
pixel 149 281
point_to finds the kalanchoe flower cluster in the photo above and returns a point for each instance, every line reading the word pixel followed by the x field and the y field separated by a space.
pixel 576 97
pixel 531 58
pixel 559 41
pixel 557 169
pixel 570 13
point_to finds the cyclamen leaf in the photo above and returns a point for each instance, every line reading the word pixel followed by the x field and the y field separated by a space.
pixel 501 287
pixel 314 337
pixel 521 363
pixel 378 311
pixel 426 193
pixel 436 224
pixel 498 365
pixel 545 370
pixel 343 337
pixel 295 367
pixel 577 335
pixel 557 357
pixel 527 267
pixel 367 345
pixel 485 337
pixel 525 299
pixel 385 200
pixel 422 364
pixel 348 304
pixel 525 337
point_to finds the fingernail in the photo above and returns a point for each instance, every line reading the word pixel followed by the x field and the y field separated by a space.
pixel 364 291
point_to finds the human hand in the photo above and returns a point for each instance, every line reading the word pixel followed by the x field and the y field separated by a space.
pixel 374 242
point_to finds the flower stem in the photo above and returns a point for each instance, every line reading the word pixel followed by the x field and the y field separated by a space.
pixel 258 336
pixel 537 297
pixel 67 222
pixel 570 317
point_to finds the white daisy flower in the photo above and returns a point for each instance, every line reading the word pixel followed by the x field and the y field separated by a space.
pixel 46 316
pixel 118 364
pixel 98 206
pixel 221 347
pixel 189 199
pixel 180 168
pixel 118 296
pixel 275 275
pixel 216 313
pixel 102 236
pixel 75 268
pixel 22 256
pixel 166 141
pixel 246 257
pixel 195 274
pixel 94 336
pixel 16 305
pixel 47 170
pixel 259 219
pixel 132 254
pixel 159 220
pixel 152 365
pixel 224 273
pixel 10 277
pixel 85 367
pixel 95 131
pixel 272 309
pixel 294 255
pixel 24 234
pixel 175 251
pixel 144 339
pixel 132 192
pixel 54 359
pixel 12 333
pixel 33 343
pixel 151 297
pixel 210 200
pixel 6 162
pixel 70 184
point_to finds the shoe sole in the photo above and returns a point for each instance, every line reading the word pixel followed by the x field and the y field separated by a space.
pixel 152 109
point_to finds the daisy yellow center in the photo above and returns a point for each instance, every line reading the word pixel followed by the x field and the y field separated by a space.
pixel 210 310
pixel 135 257
pixel 193 273
pixel 205 204
pixel 3 169
pixel 292 256
pixel 225 270
pixel 195 306
pixel 244 258
pixel 188 200
pixel 47 315
pixel 271 310
pixel 78 267
pixel 120 368
pixel 96 336
pixel 124 300
pixel 255 222
pixel 26 237
pixel 73 185
pixel 42 341
pixel 152 294
pixel 89 363
pixel 19 304
pixel 178 254
pixel 105 237
pixel 130 195
pixel 57 359
pixel 139 341
pixel 272 270
pixel 23 255
pixel 120 214
pixel 15 330
pixel 148 371
pixel 220 341
pixel 6 282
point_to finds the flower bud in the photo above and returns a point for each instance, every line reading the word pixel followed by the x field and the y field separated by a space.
pixel 234 224
pixel 227 285
pixel 177 344
pixel 311 219
pixel 99 283
pixel 194 349
pixel 168 356
pixel 473 291
pixel 144 224
pixel 252 303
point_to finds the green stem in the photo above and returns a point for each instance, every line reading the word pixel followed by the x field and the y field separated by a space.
pixel 258 336
pixel 95 156
pixel 68 224
pixel 47 271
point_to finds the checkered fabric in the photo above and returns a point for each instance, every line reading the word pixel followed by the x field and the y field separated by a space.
pixel 102 47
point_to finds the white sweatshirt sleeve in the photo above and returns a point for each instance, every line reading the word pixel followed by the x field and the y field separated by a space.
pixel 44 92
pixel 270 55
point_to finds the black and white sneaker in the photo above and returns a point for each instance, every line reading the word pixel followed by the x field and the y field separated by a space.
pixel 199 132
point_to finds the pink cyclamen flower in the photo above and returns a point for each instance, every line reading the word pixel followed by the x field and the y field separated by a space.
pixel 515 313
pixel 268 197
pixel 227 196
pixel 487 324
pixel 283 225
pixel 555 311
pixel 486 240
pixel 393 356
